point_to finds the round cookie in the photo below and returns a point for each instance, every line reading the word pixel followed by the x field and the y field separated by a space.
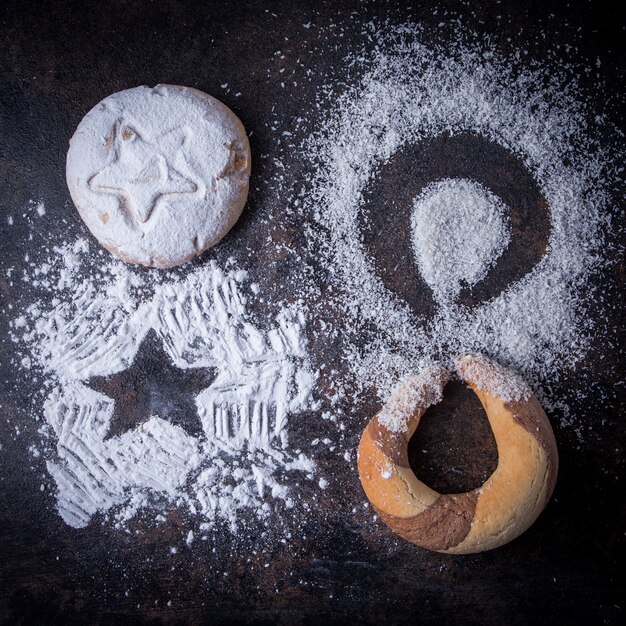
pixel 159 174
pixel 484 518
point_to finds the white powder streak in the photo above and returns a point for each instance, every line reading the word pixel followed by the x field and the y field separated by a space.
pixel 488 376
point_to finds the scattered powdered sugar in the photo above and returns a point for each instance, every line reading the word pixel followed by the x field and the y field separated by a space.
pixel 410 92
pixel 414 394
pixel 459 231
pixel 94 326
pixel 486 375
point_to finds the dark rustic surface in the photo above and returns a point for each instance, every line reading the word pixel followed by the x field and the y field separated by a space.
pixel 57 60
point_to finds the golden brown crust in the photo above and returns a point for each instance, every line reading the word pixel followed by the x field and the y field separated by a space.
pixel 532 417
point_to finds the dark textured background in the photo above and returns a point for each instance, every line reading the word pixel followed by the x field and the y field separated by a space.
pixel 59 59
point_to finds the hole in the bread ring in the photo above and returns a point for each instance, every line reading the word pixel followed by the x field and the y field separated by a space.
pixel 453 449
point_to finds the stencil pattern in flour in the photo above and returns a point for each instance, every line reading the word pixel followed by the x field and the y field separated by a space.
pixel 263 377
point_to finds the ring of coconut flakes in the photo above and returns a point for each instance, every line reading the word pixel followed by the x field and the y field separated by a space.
pixel 482 519
pixel 159 174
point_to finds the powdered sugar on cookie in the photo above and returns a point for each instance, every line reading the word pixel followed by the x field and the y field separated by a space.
pixel 159 175
pixel 486 375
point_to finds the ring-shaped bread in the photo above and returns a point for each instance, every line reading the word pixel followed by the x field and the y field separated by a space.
pixel 482 519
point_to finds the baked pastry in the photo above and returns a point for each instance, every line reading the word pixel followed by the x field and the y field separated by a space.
pixel 159 174
pixel 484 518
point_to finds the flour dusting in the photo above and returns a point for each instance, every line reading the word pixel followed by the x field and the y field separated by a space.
pixel 486 375
pixel 413 395
pixel 89 318
pixel 94 328
pixel 410 92
pixel 471 221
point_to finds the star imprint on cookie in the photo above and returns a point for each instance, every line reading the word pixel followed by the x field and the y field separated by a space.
pixel 140 172
pixel 154 386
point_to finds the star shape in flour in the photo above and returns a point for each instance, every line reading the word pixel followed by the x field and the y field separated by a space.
pixel 141 171
pixel 154 386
